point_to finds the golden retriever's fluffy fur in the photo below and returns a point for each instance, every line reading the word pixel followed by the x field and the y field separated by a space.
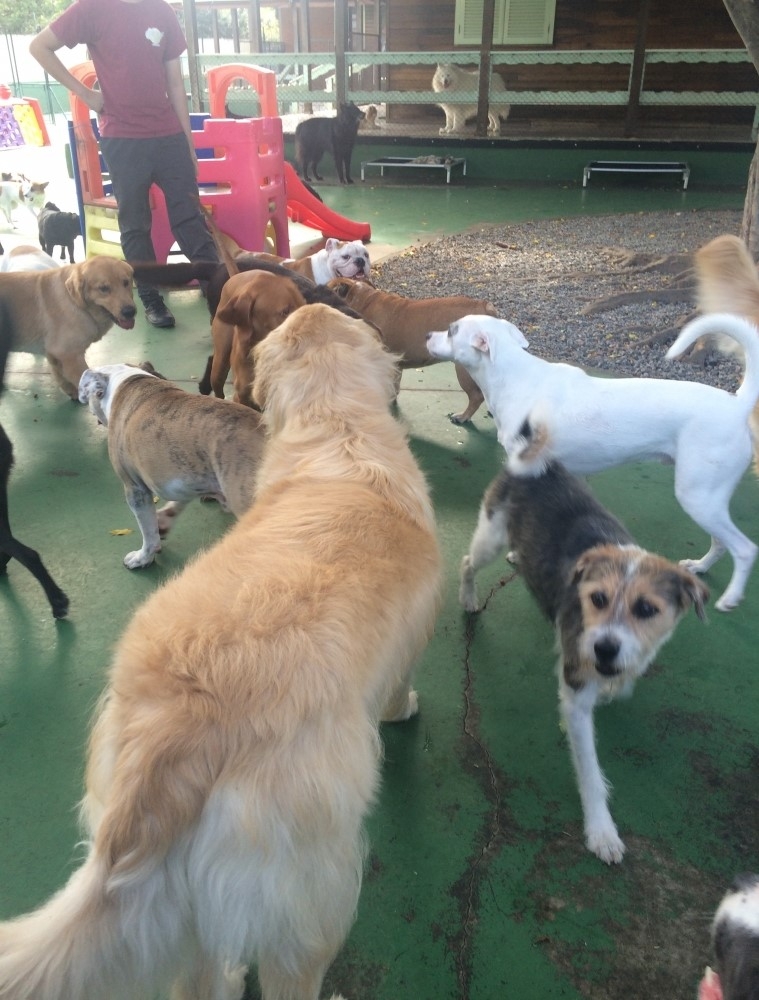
pixel 728 281
pixel 60 312
pixel 236 752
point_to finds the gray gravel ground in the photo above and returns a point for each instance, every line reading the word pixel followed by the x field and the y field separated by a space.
pixel 540 275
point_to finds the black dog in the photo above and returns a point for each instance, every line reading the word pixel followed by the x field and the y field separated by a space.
pixel 58 229
pixel 735 939
pixel 315 136
pixel 10 547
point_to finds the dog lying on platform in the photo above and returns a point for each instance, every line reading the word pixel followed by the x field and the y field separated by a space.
pixel 163 441
pixel 613 605
pixel 252 304
pixel 63 310
pixel 236 752
pixel 404 324
pixel 735 938
pixel 590 424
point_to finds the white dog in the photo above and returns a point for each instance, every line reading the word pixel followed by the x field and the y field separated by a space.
pixel 449 78
pixel 590 424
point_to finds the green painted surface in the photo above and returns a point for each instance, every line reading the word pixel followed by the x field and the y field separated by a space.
pixel 478 885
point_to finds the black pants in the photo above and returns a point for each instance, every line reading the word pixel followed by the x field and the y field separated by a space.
pixel 135 164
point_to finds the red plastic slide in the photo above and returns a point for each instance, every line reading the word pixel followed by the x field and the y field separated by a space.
pixel 304 208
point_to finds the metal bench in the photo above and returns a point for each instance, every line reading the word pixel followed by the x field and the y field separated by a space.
pixel 406 161
pixel 635 167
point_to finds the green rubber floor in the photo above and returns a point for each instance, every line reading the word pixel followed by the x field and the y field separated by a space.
pixel 478 885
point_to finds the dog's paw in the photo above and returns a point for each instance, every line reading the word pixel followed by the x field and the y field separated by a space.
pixel 468 597
pixel 606 844
pixel 398 711
pixel 139 559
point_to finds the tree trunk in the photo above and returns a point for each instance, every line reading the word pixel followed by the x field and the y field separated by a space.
pixel 745 16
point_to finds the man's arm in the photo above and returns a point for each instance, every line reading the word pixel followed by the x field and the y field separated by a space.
pixel 44 47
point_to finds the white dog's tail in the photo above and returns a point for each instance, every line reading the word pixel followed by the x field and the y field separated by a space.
pixel 91 940
pixel 737 329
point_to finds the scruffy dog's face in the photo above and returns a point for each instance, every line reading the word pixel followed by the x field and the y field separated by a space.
pixel 630 601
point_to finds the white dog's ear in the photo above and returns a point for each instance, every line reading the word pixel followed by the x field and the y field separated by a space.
pixel 481 343
pixel 331 244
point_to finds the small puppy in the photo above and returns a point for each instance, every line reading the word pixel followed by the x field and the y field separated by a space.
pixel 735 940
pixel 27 258
pixel 164 442
pixel 370 120
pixel 252 304
pixel 613 605
pixel 404 324
pixel 237 752
pixel 20 191
pixel 58 229
pixel 591 424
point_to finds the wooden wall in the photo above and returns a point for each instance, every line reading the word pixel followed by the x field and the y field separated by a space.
pixel 586 24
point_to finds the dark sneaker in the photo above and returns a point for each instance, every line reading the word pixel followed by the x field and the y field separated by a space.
pixel 159 314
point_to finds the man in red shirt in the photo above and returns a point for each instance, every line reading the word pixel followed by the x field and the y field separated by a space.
pixel 143 120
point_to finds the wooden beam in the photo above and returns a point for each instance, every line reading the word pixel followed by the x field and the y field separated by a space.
pixel 488 20
pixel 636 70
pixel 341 24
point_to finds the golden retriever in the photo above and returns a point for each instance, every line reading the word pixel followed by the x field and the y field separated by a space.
pixel 252 303
pixel 60 312
pixel 728 282
pixel 237 751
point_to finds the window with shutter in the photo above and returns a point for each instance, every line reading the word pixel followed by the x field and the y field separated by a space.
pixel 517 22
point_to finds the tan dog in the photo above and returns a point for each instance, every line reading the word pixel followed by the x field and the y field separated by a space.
pixel 728 281
pixel 404 324
pixel 252 304
pixel 203 448
pixel 60 312
pixel 336 259
pixel 237 750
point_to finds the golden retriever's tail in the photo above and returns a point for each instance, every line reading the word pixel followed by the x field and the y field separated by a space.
pixel 529 452
pixel 739 330
pixel 91 941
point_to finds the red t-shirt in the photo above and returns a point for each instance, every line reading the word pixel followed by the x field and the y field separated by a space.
pixel 129 44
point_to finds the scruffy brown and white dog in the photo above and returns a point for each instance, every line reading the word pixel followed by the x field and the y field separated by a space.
pixel 237 752
pixel 613 605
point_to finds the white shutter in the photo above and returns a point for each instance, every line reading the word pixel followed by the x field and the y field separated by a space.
pixel 529 22
pixel 517 22
pixel 468 25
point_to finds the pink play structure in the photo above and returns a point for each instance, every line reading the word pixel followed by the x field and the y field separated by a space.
pixel 244 181
pixel 302 206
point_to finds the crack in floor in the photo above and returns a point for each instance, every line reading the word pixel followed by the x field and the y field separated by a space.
pixel 482 766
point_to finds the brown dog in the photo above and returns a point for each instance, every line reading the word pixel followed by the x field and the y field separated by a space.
pixel 404 324
pixel 60 312
pixel 252 304
pixel 728 281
